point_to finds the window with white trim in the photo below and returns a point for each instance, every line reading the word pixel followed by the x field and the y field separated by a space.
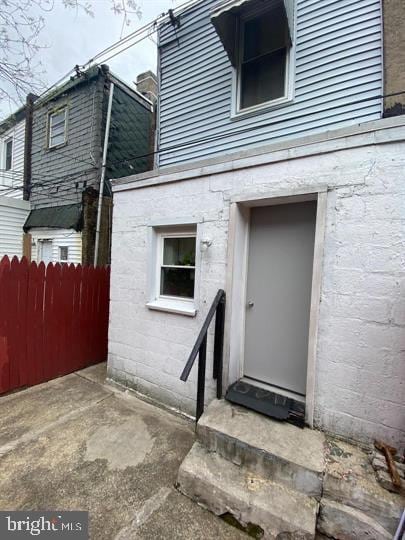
pixel 173 277
pixel 262 71
pixel 8 154
pixel 63 253
pixel 176 265
pixel 57 128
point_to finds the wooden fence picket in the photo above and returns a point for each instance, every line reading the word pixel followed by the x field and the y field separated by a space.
pixel 35 323
pixel 4 319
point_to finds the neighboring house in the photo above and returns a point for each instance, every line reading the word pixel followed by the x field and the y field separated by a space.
pixel 280 182
pixel 66 149
pixel 13 209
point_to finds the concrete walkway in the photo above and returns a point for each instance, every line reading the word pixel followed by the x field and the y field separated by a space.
pixel 77 444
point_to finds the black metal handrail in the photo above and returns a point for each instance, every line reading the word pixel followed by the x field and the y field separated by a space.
pixel 200 347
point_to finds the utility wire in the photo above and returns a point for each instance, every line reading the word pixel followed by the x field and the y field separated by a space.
pixel 145 28
pixel 71 177
pixel 149 28
pixel 55 181
pixel 246 130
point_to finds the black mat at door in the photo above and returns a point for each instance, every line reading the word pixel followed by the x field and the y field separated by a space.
pixel 266 402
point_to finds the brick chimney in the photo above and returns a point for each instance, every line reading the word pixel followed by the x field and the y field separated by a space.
pixel 146 84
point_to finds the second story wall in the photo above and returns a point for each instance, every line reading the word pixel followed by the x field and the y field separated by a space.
pixel 130 141
pixel 68 138
pixel 62 169
pixel 336 77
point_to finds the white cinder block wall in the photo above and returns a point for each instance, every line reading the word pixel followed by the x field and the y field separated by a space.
pixel 360 368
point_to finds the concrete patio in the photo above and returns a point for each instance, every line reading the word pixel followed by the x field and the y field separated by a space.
pixel 77 444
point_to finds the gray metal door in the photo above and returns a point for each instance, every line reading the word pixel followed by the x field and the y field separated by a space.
pixel 281 248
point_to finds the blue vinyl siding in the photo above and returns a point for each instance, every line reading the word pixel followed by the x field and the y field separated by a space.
pixel 338 69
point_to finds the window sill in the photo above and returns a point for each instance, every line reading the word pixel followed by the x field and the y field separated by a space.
pixel 260 109
pixel 173 306
pixel 56 146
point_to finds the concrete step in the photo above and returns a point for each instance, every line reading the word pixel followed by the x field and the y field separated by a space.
pixel 351 481
pixel 342 522
pixel 279 451
pixel 254 501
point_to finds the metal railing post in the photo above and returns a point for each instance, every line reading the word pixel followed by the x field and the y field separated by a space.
pixel 202 356
pixel 200 348
pixel 219 345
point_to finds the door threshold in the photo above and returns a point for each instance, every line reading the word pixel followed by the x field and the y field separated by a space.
pixel 267 402
pixel 275 389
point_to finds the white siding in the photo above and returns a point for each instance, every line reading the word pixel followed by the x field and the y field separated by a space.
pixel 13 214
pixel 13 179
pixel 59 237
pixel 338 69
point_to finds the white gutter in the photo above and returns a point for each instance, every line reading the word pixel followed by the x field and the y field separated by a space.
pixel 103 168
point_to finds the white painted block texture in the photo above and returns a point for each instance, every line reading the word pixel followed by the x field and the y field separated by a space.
pixel 360 365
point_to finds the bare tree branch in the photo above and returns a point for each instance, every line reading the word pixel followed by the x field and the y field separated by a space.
pixel 21 25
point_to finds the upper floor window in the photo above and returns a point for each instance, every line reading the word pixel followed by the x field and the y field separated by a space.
pixel 57 128
pixel 8 154
pixel 263 50
pixel 257 37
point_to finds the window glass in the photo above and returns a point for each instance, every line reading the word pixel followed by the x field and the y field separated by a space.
pixel 57 139
pixel 265 42
pixel 57 125
pixel 63 253
pixel 264 34
pixel 177 282
pixel 263 79
pixel 177 272
pixel 9 154
pixel 179 251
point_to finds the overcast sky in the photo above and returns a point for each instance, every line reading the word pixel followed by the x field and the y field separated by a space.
pixel 74 37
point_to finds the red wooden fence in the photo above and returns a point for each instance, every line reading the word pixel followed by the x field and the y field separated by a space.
pixel 53 320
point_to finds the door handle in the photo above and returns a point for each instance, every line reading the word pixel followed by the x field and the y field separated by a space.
pixel 250 304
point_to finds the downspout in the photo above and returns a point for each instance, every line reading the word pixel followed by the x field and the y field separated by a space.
pixel 157 110
pixel 103 168
pixel 29 111
pixel 27 172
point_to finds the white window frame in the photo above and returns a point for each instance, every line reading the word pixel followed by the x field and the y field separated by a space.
pixel 289 83
pixel 6 142
pixel 162 238
pixel 171 304
pixel 60 254
pixel 64 109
